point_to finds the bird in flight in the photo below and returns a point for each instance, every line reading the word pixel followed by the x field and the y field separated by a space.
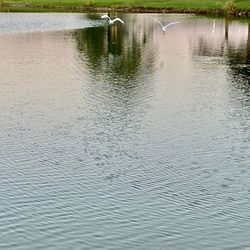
pixel 112 21
pixel 166 26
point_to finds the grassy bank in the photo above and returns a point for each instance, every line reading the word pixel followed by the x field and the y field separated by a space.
pixel 199 6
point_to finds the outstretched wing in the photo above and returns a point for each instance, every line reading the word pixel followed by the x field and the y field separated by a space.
pixel 170 24
pixel 118 19
pixel 159 22
pixel 105 16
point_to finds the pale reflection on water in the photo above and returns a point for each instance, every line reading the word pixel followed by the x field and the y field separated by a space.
pixel 123 137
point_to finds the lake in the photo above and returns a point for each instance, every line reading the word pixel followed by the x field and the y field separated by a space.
pixel 123 136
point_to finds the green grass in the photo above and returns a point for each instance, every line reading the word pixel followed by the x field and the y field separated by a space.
pixel 162 4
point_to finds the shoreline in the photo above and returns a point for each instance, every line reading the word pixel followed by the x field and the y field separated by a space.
pixel 74 8
pixel 29 7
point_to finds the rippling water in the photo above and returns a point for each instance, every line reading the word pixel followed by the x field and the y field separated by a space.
pixel 122 137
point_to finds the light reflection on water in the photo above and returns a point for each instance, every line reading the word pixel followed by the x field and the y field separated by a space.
pixel 36 22
pixel 122 137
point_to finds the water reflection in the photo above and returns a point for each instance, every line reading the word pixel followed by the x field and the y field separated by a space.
pixel 117 49
pixel 239 61
pixel 234 47
pixel 119 58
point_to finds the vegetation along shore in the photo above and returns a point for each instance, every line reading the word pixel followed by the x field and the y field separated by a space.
pixel 231 7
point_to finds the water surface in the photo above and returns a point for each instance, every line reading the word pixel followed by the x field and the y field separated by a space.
pixel 123 137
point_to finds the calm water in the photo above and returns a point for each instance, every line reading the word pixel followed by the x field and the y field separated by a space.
pixel 122 137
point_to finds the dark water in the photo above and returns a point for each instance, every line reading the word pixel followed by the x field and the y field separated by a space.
pixel 123 137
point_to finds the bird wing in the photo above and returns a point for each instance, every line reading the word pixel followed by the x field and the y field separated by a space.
pixel 159 22
pixel 105 16
pixel 170 24
pixel 118 19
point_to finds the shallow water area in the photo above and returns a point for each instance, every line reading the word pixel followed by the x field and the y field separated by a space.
pixel 123 136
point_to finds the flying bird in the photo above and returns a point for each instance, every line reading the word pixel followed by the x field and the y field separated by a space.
pixel 166 26
pixel 112 21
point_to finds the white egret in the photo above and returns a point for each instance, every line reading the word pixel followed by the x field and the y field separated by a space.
pixel 166 26
pixel 112 21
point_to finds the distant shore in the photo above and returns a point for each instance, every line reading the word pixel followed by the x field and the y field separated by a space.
pixel 213 7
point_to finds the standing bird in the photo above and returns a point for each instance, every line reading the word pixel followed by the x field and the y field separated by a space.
pixel 165 27
pixel 112 21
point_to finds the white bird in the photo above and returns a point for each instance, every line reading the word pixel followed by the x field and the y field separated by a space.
pixel 165 27
pixel 112 21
